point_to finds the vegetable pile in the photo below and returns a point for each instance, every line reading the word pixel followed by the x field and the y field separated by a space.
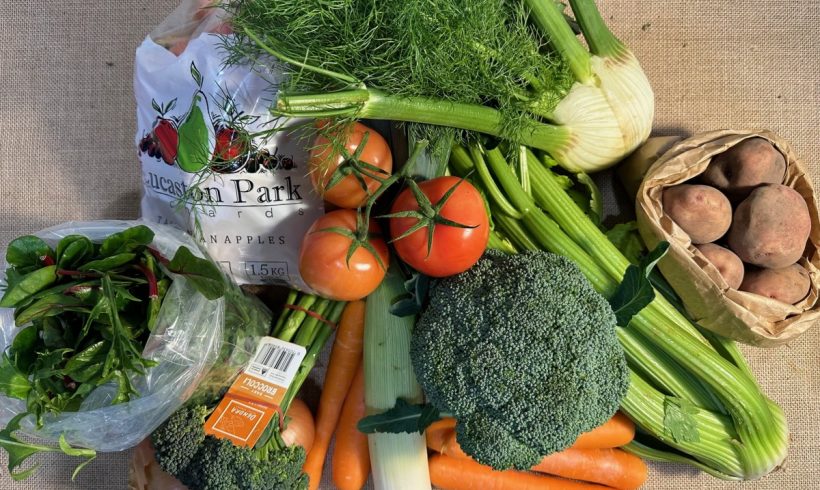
pixel 85 311
pixel 492 333
pixel 691 393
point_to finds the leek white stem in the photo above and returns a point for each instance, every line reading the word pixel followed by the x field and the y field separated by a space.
pixel 398 461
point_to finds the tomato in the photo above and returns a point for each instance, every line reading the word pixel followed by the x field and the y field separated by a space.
pixel 323 260
pixel 349 192
pixel 454 249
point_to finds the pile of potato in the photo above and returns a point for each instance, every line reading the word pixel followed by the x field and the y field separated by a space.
pixel 745 222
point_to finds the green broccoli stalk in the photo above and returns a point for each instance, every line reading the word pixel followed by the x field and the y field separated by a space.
pixel 522 351
pixel 202 461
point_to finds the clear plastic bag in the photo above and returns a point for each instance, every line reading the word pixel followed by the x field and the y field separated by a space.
pixel 192 333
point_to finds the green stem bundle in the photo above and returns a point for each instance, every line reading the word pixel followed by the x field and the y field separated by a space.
pixel 309 330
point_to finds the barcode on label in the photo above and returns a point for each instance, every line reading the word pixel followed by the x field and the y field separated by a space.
pixel 275 357
pixel 276 361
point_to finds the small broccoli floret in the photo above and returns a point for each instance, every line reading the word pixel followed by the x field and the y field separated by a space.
pixel 523 352
pixel 181 436
pixel 282 470
pixel 215 466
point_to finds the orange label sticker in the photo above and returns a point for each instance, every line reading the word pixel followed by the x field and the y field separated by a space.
pixel 252 401
pixel 239 421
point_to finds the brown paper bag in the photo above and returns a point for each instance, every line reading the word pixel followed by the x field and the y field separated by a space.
pixel 746 317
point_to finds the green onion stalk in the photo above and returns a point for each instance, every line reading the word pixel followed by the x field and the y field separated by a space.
pixel 692 394
pixel 514 70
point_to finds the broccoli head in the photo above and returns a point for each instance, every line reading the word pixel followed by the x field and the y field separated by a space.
pixel 204 462
pixel 522 351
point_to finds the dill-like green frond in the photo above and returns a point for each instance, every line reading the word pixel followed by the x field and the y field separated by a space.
pixel 471 51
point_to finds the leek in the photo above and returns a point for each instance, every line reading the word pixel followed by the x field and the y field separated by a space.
pixel 398 461
pixel 510 69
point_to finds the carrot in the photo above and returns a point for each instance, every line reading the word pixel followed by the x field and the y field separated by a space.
pixel 611 467
pixel 438 432
pixel 465 474
pixel 351 456
pixel 615 432
pixel 344 359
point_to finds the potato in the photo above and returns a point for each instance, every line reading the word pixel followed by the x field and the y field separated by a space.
pixel 770 227
pixel 703 212
pixel 727 263
pixel 745 166
pixel 789 284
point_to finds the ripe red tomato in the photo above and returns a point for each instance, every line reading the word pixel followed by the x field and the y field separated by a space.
pixel 323 260
pixel 454 249
pixel 348 192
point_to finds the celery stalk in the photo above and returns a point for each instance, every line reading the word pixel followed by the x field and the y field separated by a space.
pixel 398 461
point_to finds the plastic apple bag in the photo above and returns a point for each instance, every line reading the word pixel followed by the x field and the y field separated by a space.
pixel 106 328
pixel 215 162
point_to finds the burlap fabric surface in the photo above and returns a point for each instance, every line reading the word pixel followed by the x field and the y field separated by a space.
pixel 67 151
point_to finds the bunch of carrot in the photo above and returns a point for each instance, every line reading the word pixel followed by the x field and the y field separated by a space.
pixel 593 462
pixel 340 408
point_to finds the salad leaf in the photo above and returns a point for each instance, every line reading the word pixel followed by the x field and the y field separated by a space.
pixel 203 274
pixel 27 251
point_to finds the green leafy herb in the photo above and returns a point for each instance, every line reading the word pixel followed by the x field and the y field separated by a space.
pixel 203 274
pixel 19 451
pixel 626 239
pixel 403 417
pixel 13 383
pixel 51 305
pixel 23 347
pixel 73 250
pixel 108 263
pixel 635 291
pixel 33 282
pixel 86 312
pixel 128 240
pixel 27 251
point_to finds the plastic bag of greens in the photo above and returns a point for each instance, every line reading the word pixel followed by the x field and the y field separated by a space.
pixel 106 328
pixel 214 160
